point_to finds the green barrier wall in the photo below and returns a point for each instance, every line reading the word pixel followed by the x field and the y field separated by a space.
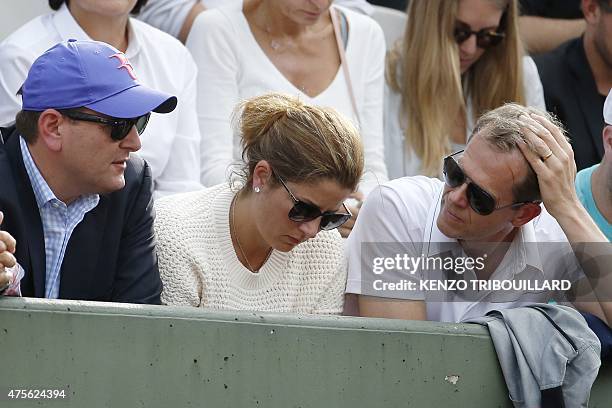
pixel 109 355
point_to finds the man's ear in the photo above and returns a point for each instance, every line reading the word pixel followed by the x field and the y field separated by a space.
pixel 607 139
pixel 591 11
pixel 50 125
pixel 526 213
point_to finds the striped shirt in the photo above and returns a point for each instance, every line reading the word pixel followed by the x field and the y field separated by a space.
pixel 58 220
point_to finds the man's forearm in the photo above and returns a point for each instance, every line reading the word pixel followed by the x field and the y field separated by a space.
pixel 578 225
pixel 594 253
pixel 540 34
pixel 370 306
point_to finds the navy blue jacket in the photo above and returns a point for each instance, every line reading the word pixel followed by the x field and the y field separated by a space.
pixel 111 253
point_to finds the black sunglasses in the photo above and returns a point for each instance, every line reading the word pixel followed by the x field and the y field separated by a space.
pixel 485 38
pixel 120 128
pixel 481 202
pixel 304 212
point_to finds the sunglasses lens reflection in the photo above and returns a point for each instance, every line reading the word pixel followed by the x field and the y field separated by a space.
pixel 484 39
pixel 124 126
pixel 480 201
pixel 452 172
pixel 302 212
pixel 141 123
pixel 332 221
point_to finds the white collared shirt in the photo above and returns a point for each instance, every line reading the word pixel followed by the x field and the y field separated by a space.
pixel 171 142
pixel 400 217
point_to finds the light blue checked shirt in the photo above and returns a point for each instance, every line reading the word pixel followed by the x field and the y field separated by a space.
pixel 58 220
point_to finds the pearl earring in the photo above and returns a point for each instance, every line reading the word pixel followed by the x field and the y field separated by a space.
pixel 257 189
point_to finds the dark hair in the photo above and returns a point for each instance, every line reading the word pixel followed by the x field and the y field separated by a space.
pixel 26 123
pixel 56 4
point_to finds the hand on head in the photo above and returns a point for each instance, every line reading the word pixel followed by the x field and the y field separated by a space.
pixel 552 159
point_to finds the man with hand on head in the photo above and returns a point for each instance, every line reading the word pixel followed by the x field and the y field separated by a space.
pixel 488 209
pixel 76 201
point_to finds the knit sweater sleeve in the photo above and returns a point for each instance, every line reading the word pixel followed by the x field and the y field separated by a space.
pixel 332 298
pixel 180 273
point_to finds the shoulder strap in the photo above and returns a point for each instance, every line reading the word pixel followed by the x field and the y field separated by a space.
pixel 334 16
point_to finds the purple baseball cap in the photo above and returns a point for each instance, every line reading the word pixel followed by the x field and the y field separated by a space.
pixel 90 74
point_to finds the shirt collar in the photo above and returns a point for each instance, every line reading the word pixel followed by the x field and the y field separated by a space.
pixel 42 191
pixel 523 250
pixel 68 28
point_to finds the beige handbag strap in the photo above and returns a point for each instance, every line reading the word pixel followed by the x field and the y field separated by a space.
pixel 334 16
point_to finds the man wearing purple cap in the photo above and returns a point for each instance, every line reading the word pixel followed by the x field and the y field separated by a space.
pixel 75 200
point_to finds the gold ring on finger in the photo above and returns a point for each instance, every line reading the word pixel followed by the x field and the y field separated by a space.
pixel 547 156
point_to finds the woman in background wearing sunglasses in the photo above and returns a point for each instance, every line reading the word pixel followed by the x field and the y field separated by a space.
pixel 271 243
pixel 458 59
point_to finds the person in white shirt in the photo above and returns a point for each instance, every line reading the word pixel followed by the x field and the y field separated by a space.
pixel 176 16
pixel 268 240
pixel 457 60
pixel 172 142
pixel 287 47
pixel 489 211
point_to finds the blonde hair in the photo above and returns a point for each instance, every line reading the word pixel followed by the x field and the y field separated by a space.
pixel 302 143
pixel 424 68
pixel 502 128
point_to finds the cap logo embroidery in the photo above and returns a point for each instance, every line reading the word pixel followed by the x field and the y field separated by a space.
pixel 124 64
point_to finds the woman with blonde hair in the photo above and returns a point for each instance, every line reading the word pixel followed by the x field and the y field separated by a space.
pixel 271 243
pixel 458 59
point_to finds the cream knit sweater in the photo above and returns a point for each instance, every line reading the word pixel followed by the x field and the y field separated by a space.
pixel 199 266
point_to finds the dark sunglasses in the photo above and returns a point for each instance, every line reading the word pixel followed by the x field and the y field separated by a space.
pixel 304 212
pixel 120 128
pixel 485 38
pixel 481 202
